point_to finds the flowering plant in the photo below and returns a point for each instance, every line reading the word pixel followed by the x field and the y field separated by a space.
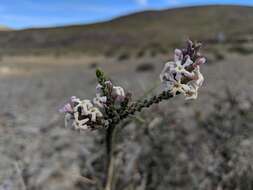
pixel 112 104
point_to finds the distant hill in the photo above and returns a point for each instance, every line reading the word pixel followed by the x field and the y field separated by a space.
pixel 4 28
pixel 134 32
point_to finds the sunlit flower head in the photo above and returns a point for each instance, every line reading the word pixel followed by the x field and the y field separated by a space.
pixel 183 74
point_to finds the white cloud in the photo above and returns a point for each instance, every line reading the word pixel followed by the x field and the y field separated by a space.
pixel 142 2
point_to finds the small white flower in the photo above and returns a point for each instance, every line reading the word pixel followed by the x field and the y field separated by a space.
pixel 81 114
pixel 175 72
pixel 87 109
pixel 81 124
pixel 118 93
pixel 166 74
pixel 179 69
pixel 176 69
pixel 195 84
pixel 86 106
pixel 175 86
pixel 198 78
pixel 95 113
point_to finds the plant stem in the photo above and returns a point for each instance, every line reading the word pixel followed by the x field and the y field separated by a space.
pixel 140 105
pixel 111 130
pixel 110 138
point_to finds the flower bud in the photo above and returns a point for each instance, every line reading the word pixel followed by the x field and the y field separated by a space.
pixel 199 61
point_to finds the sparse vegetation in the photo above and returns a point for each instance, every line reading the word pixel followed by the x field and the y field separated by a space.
pixel 218 55
pixel 243 50
pixel 140 53
pixel 145 67
pixel 94 65
pixel 123 56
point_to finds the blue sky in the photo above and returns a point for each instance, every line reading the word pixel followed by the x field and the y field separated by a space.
pixel 42 13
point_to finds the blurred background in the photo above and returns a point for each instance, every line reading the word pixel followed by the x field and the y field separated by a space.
pixel 49 51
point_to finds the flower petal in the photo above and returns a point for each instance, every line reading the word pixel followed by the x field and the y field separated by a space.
pixel 119 93
pixel 188 74
pixel 188 62
pixel 178 55
pixel 199 61
pixel 66 109
pixel 166 72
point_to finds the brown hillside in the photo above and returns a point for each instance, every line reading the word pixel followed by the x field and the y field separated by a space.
pixel 140 30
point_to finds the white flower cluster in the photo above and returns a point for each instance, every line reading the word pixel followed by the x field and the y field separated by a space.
pixel 84 114
pixel 183 75
pixel 81 113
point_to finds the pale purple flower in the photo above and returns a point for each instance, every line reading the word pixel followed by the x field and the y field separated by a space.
pixel 179 69
pixel 176 69
pixel 67 108
pixel 183 69
pixel 178 55
pixel 199 61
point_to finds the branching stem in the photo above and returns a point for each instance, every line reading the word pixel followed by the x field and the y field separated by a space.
pixel 111 131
